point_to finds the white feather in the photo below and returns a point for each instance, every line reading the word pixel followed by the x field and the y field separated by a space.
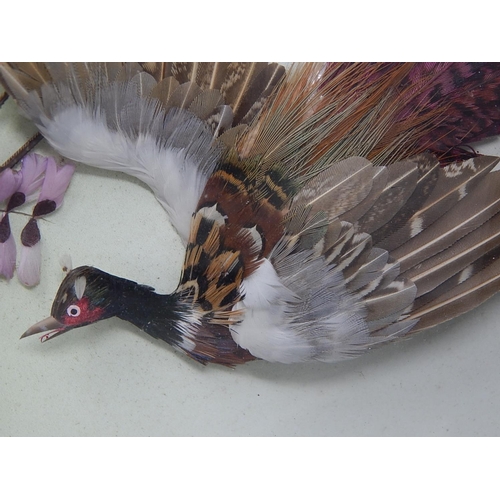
pixel 266 337
pixel 28 271
pixel 263 288
pixel 173 174
pixel 277 325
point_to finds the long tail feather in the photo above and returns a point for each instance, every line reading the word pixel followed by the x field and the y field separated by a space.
pixel 384 112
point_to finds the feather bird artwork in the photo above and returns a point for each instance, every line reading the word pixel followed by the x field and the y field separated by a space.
pixel 325 209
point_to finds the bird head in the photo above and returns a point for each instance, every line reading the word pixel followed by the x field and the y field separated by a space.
pixel 84 297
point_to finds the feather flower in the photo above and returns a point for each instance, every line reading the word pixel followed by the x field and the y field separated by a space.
pixel 54 186
pixel 7 249
pixel 28 271
pixel 10 180
pixel 33 169
pixel 21 187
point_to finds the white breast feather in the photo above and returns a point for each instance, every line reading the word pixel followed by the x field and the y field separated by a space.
pixel 277 325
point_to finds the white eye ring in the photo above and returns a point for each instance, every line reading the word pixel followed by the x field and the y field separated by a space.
pixel 73 311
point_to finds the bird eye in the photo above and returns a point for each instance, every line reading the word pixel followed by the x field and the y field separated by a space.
pixel 73 311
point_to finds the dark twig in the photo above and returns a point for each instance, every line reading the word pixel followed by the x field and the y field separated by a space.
pixel 3 211
pixel 21 152
pixel 3 97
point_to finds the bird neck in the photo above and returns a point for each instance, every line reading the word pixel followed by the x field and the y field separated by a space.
pixel 158 315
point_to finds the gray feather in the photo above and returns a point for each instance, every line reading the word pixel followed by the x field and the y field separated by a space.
pixel 402 179
pixel 461 298
pixel 469 213
pixel 338 188
pixel 434 271
pixel 453 183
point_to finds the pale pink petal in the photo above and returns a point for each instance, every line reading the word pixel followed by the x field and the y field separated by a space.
pixel 56 182
pixel 33 168
pixel 7 249
pixel 10 180
pixel 28 271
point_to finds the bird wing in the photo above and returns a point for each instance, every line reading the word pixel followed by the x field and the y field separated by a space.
pixel 166 124
pixel 372 250
pixel 326 255
pixel 330 289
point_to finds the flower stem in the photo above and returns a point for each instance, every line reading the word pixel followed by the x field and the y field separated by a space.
pixel 21 152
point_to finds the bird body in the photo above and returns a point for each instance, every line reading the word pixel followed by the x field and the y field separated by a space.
pixel 324 212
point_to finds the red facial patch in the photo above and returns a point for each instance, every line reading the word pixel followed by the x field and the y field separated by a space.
pixel 87 315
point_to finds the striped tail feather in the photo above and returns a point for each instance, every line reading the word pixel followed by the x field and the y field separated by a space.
pixel 470 213
pixel 449 247
pixel 452 184
pixel 451 256
pixel 456 297
pixel 451 235
pixel 470 93
pixel 385 112
pixel 472 250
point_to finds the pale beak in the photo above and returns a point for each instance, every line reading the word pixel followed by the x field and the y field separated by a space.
pixel 49 325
